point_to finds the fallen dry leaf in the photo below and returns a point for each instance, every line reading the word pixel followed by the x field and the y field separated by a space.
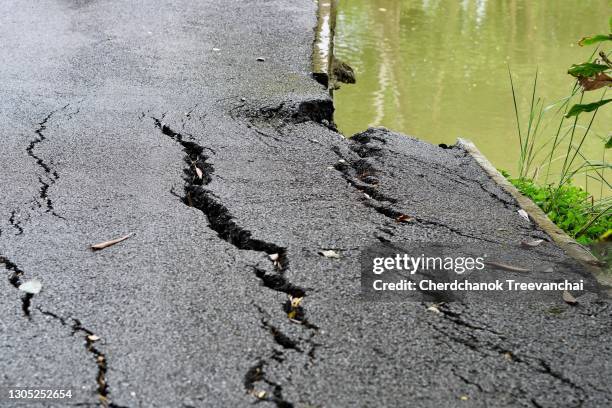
pixel 523 214
pixel 404 218
pixel 93 337
pixel 33 286
pixel 106 244
pixel 531 244
pixel 329 254
pixel 434 309
pixel 506 267
pixel 598 81
pixel 569 298
pixel 260 394
pixel 295 301
pixel 275 258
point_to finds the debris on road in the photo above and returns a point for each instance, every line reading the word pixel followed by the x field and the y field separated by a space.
pixel 569 298
pixel 106 244
pixel 505 267
pixel 523 214
pixel 330 254
pixel 531 244
pixel 198 172
pixel 434 308
pixel 404 218
pixel 32 287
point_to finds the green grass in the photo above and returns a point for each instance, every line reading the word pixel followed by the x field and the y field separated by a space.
pixel 570 207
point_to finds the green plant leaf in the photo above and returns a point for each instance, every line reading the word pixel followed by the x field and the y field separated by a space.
pixel 609 143
pixel 587 107
pixel 586 70
pixel 595 39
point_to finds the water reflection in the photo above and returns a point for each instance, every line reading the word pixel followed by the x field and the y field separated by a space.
pixel 437 69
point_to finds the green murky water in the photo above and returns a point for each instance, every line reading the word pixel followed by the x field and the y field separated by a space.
pixel 438 69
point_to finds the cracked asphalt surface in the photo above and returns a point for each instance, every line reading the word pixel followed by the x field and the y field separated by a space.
pixel 110 109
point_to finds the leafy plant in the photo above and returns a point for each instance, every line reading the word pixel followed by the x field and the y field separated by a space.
pixel 570 207
pixel 573 209
pixel 592 75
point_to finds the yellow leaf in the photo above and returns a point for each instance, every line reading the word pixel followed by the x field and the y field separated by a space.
pixel 260 394
pixel 295 302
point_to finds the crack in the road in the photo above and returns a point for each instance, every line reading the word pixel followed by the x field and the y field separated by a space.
pixel 15 279
pixel 486 349
pixel 366 181
pixel 395 215
pixel 198 174
pixel 457 319
pixel 446 172
pixel 257 374
pixel 364 148
pixel 311 110
pixel 15 223
pixel 50 174
pixel 275 118
pixel 16 274
pixel 279 337
pixel 90 338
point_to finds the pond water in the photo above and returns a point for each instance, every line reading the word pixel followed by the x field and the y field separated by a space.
pixel 438 69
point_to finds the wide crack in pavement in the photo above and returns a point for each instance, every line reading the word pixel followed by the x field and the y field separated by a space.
pixel 198 173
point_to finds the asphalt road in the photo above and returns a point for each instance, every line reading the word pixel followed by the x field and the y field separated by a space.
pixel 107 110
